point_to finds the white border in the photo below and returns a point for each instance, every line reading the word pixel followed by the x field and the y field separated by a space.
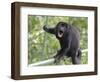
pixel 25 70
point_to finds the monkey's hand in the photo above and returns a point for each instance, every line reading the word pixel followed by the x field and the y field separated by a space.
pixel 49 30
pixel 57 58
pixel 45 27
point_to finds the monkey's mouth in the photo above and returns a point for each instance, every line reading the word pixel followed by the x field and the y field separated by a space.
pixel 60 33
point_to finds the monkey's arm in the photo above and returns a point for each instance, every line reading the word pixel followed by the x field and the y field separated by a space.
pixel 63 51
pixel 65 48
pixel 49 30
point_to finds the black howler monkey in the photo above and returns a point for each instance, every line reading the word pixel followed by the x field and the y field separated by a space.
pixel 69 39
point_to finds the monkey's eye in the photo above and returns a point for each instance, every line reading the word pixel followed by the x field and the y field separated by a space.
pixel 62 24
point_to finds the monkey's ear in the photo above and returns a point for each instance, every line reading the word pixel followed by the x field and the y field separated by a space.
pixel 68 26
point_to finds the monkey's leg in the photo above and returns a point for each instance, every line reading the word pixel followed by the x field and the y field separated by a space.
pixel 76 58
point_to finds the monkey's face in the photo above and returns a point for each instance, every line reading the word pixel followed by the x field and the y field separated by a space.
pixel 61 32
pixel 61 29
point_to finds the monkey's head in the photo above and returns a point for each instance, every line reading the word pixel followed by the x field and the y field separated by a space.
pixel 61 29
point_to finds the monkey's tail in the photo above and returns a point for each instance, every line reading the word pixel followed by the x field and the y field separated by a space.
pixel 79 53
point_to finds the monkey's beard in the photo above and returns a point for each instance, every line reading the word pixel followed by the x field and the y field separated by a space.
pixel 60 34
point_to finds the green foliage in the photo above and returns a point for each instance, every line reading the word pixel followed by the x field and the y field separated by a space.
pixel 42 45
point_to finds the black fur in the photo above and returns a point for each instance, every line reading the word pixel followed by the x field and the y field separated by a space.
pixel 69 39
